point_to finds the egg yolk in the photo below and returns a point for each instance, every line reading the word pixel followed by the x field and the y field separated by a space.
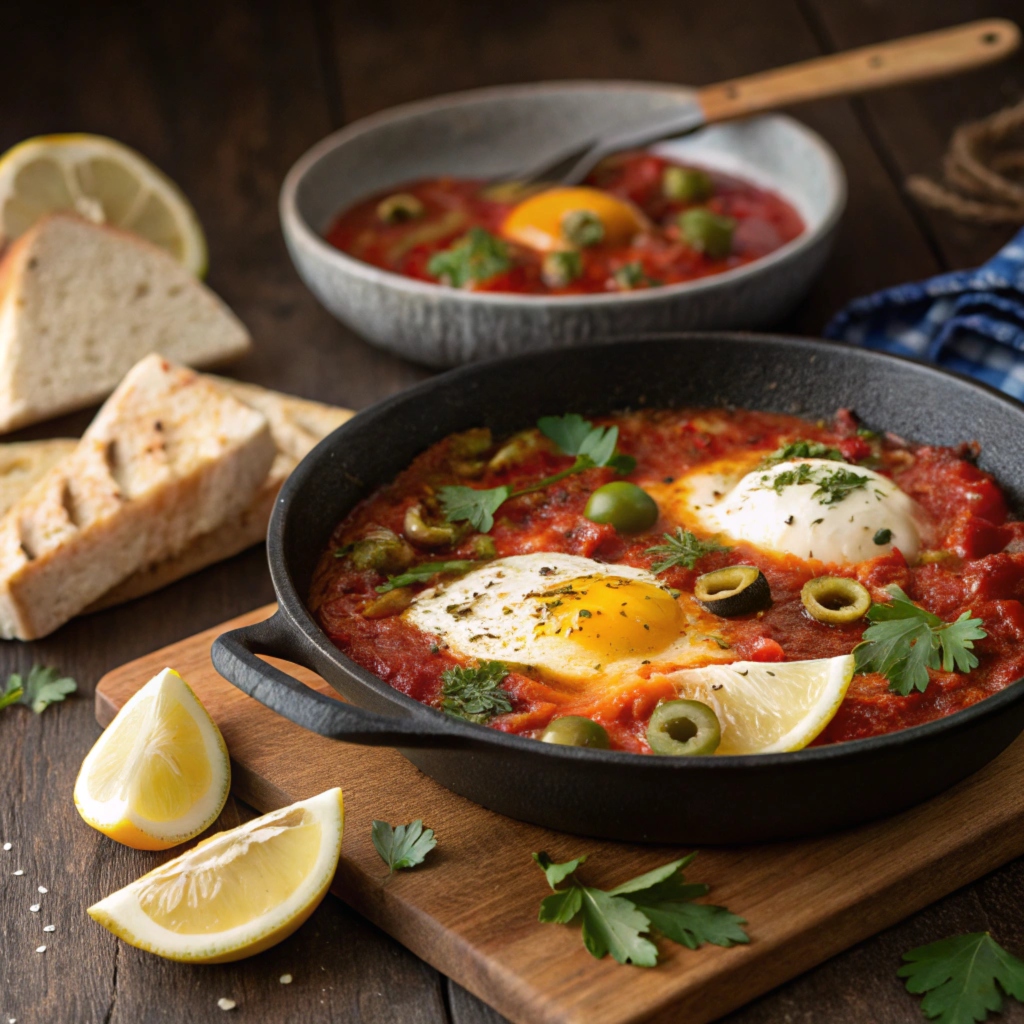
pixel 539 222
pixel 611 617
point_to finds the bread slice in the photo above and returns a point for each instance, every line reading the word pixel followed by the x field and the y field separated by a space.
pixel 81 303
pixel 22 463
pixel 296 425
pixel 168 458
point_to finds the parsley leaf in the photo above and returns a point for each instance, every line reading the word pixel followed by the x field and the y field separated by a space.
pixel 833 484
pixel 477 256
pixel 43 687
pixel 592 446
pixel 475 693
pixel 423 571
pixel 904 641
pixel 963 977
pixel 404 846
pixel 802 449
pixel 614 921
pixel 682 548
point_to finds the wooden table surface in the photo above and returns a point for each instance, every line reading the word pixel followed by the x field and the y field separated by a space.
pixel 224 96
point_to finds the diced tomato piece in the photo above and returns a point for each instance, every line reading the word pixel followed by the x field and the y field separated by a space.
pixel 854 448
pixel 764 648
pixel 974 537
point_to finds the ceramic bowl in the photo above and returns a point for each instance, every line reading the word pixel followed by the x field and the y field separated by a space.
pixel 487 132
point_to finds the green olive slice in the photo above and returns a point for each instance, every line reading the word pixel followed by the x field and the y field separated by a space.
pixel 683 728
pixel 575 731
pixel 835 599
pixel 734 590
pixel 399 208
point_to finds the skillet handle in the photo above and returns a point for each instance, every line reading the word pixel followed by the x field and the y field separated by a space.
pixel 234 657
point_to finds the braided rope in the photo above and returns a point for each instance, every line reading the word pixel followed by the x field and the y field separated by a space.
pixel 983 171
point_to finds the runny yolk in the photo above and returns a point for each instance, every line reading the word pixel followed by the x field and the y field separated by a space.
pixel 612 617
pixel 537 222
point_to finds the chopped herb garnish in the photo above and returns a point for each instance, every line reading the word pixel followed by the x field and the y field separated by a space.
pixel 632 275
pixel 592 446
pixel 802 449
pixel 904 641
pixel 682 548
pixel 43 687
pixel 616 920
pixel 477 256
pixel 404 846
pixel 475 693
pixel 963 977
pixel 560 269
pixel 833 485
pixel 582 228
pixel 422 572
pixel 883 536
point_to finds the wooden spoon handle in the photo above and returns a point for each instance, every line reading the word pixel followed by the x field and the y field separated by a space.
pixel 903 60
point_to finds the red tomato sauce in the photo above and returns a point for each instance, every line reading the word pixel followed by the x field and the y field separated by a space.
pixel 764 222
pixel 975 563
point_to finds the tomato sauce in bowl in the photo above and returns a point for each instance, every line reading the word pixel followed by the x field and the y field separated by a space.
pixel 665 247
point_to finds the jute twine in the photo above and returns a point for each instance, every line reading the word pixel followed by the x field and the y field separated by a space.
pixel 983 171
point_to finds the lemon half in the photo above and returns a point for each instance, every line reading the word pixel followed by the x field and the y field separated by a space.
pixel 103 181
pixel 769 707
pixel 238 892
pixel 160 772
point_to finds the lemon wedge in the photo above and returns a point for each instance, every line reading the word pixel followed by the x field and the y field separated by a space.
pixel 769 707
pixel 238 892
pixel 105 182
pixel 160 773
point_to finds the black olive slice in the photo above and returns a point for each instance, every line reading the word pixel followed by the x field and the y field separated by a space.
pixel 734 590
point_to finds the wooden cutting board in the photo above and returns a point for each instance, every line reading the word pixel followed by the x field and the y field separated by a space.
pixel 471 908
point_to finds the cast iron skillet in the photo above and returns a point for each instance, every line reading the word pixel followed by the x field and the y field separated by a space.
pixel 607 793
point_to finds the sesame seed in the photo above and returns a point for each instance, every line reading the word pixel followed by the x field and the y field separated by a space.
pixel 19 872
pixel 34 908
pixel 226 1004
pixel 285 979
pixel 43 889
pixel 49 928
pixel 40 949
pixel 7 846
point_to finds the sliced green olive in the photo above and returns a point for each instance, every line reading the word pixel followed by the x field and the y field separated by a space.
pixel 735 590
pixel 683 728
pixel 575 731
pixel 399 208
pixel 560 269
pixel 835 599
pixel 707 232
pixel 394 602
pixel 686 184
pixel 630 509
pixel 424 534
pixel 383 551
pixel 582 228
pixel 483 547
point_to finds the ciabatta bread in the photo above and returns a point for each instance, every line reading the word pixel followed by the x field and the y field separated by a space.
pixel 22 463
pixel 170 457
pixel 80 304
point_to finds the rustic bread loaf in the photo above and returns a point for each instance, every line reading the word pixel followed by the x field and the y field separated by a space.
pixel 168 458
pixel 80 304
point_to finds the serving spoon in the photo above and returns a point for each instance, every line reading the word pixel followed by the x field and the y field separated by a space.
pixel 914 58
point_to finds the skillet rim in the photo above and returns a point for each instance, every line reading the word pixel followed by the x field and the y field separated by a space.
pixel 292 607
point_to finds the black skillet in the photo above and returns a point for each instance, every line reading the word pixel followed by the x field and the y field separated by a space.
pixel 607 793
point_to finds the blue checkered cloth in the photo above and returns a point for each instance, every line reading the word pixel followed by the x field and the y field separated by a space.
pixel 970 320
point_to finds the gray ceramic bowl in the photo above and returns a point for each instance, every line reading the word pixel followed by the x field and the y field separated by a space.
pixel 487 132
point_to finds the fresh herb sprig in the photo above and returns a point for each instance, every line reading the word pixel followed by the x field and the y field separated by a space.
pixel 475 694
pixel 477 256
pixel 617 920
pixel 404 846
pixel 592 446
pixel 43 687
pixel 802 449
pixel 682 548
pixel 422 572
pixel 904 641
pixel 963 978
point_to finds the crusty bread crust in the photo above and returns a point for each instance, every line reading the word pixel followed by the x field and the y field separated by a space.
pixel 168 458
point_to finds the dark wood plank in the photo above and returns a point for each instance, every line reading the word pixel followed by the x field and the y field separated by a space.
pixel 911 126
pixel 399 50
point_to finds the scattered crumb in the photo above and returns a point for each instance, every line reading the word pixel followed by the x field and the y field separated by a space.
pixel 34 909
pixel 7 846
pixel 40 949
pixel 43 889
pixel 285 979
pixel 226 1004
pixel 19 872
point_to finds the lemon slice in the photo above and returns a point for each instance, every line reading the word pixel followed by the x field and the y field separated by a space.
pixel 769 707
pixel 103 181
pixel 238 892
pixel 160 773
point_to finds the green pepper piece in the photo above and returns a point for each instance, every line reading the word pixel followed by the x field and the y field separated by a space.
pixel 707 232
pixel 686 184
